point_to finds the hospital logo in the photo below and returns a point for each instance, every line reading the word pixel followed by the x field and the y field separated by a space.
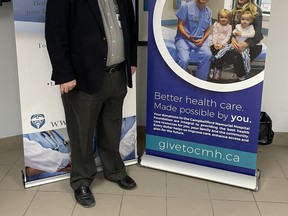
pixel 37 120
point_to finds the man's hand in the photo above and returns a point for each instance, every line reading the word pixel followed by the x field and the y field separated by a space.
pixel 238 46
pixel 242 46
pixel 199 42
pixel 191 39
pixel 66 87
pixel 234 43
pixel 133 70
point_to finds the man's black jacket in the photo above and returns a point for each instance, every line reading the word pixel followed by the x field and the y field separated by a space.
pixel 76 41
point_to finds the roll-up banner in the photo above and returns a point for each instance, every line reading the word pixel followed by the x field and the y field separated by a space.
pixel 200 125
pixel 45 140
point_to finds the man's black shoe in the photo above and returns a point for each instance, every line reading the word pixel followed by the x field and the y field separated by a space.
pixel 84 196
pixel 127 183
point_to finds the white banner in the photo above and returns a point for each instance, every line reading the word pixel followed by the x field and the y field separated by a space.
pixel 45 140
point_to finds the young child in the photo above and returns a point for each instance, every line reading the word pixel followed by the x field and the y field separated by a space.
pixel 222 31
pixel 241 32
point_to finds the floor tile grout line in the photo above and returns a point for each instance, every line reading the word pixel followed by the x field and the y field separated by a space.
pixel 27 209
pixel 74 207
pixel 121 203
pixel 11 167
pixel 281 167
pixel 166 182
pixel 210 198
pixel 258 208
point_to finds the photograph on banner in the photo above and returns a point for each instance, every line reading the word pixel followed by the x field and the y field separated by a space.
pixel 204 108
pixel 47 153
pixel 215 42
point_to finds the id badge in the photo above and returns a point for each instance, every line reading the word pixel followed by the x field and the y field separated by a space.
pixel 119 20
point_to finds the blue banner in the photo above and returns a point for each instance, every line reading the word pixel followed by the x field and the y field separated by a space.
pixel 204 122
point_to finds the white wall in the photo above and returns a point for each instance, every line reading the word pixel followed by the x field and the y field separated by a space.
pixel 141 90
pixel 275 100
pixel 215 6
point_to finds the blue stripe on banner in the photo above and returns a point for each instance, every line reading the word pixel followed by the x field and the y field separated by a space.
pixel 202 151
pixel 204 163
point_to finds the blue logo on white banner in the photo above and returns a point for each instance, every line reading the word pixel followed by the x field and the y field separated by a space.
pixel 37 120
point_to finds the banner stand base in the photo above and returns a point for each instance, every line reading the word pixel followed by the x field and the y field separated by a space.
pixel 43 181
pixel 63 176
pixel 202 172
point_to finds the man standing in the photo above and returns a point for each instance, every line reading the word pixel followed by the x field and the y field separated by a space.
pixel 93 51
pixel 194 21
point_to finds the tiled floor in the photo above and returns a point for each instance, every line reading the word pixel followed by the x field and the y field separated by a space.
pixel 158 194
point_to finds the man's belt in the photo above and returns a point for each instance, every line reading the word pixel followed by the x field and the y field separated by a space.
pixel 116 67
